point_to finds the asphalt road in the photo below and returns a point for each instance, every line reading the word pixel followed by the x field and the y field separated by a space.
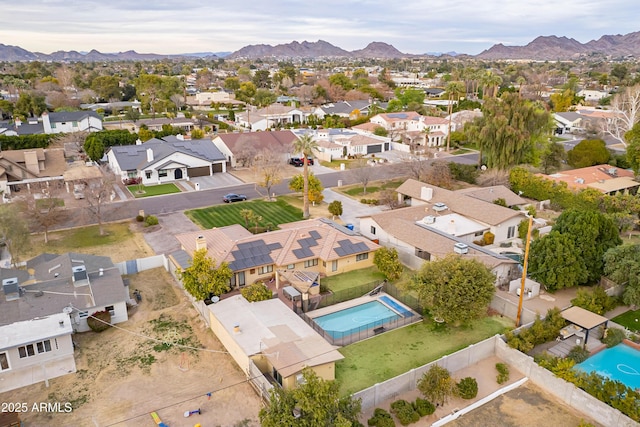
pixel 198 199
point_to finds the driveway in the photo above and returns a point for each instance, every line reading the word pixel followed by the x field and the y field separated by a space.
pixel 217 180
pixel 162 240
pixel 351 209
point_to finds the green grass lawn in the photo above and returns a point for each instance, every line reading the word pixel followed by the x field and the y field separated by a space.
pixel 46 203
pixel 152 190
pixel 79 238
pixel 390 354
pixel 352 279
pixel 274 213
pixel 373 187
pixel 629 319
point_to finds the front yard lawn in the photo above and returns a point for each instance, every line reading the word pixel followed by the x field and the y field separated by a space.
pixel 272 213
pixel 390 354
pixel 352 279
pixel 629 319
pixel 372 188
pixel 152 190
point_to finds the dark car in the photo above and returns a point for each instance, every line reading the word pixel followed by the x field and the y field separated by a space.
pixel 232 197
pixel 297 161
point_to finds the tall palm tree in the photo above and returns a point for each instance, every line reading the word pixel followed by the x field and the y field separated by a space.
pixel 305 145
pixel 491 83
pixel 454 90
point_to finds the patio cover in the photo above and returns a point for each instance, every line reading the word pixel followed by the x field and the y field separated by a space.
pixel 301 280
pixel 291 291
pixel 585 319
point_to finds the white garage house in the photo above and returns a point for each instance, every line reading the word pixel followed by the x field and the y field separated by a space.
pixel 165 160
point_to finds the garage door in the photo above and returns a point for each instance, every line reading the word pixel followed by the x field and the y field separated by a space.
pixel 217 167
pixel 201 171
pixel 374 149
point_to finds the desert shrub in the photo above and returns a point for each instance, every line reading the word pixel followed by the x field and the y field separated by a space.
pixel 613 337
pixel 256 292
pixel 578 354
pixel 467 388
pixel 489 238
pixel 97 321
pixel 423 407
pixel 436 384
pixel 405 412
pixel 150 220
pixel 139 218
pixel 372 202
pixel 541 331
pixel 381 418
pixel 503 373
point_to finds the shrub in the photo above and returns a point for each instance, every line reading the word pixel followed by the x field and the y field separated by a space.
pixel 436 384
pixel 503 373
pixel 150 220
pixel 489 238
pixel 97 321
pixel 578 354
pixel 132 181
pixel 423 407
pixel 405 412
pixel 613 337
pixel 541 331
pixel 595 300
pixel 139 218
pixel 256 292
pixel 372 202
pixel 381 418
pixel 467 388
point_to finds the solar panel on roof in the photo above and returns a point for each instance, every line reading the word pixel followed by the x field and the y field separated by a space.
pixel 315 234
pixel 340 251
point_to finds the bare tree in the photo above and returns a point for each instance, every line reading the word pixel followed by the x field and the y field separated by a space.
pixel 439 174
pixel 626 113
pixel 245 151
pixel 178 100
pixel 493 177
pixel 362 172
pixel 98 193
pixel 416 164
pixel 45 212
pixel 268 167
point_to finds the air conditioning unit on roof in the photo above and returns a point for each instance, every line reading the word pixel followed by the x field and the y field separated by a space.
pixel 439 207
pixel 430 219
pixel 460 248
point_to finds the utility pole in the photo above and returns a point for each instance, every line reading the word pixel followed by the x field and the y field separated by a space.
pixel 524 271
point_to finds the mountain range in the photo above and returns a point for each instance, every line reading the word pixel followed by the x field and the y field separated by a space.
pixel 542 48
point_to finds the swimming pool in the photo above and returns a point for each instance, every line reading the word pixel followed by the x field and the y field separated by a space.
pixel 362 317
pixel 620 363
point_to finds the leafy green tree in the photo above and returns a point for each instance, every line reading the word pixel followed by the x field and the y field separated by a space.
pixel 256 292
pixel 555 262
pixel 94 147
pixel 456 289
pixel 509 130
pixel 387 261
pixel 262 79
pixel 436 385
pixel 106 87
pixel 622 265
pixel 29 105
pixel 132 114
pixel 246 214
pixel 197 134
pixel 340 79
pixel 633 148
pixel 562 101
pixel 232 83
pixel 380 131
pixel 203 278
pixel 410 96
pixel 314 403
pixel 335 208
pixel 14 232
pixel 588 152
pixel 552 157
pixel 595 300
pixel 305 145
pixel 264 97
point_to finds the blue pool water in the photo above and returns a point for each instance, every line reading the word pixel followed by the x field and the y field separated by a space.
pixel 359 318
pixel 621 363
pixel 395 306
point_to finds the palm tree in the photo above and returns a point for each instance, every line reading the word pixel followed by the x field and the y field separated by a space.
pixel 305 145
pixel 520 81
pixel 491 83
pixel 454 90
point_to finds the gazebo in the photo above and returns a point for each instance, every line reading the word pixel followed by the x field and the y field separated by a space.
pixel 582 318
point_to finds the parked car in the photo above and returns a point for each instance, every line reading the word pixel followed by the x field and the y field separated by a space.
pixel 232 197
pixel 297 161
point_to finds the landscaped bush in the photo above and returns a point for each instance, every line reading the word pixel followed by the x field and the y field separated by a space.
pixel 97 321
pixel 489 238
pixel 405 412
pixel 150 220
pixel 436 385
pixel 613 337
pixel 256 292
pixel 372 202
pixel 423 407
pixel 541 331
pixel 503 373
pixel 595 300
pixel 381 418
pixel 467 388
pixel 578 354
pixel 132 181
pixel 139 218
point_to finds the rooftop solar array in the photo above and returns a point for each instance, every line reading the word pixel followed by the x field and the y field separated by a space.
pixel 346 248
pixel 252 254
pixel 306 244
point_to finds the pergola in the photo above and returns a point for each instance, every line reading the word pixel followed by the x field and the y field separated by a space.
pixel 584 319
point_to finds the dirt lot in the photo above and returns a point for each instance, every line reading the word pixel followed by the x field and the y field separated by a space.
pixel 122 376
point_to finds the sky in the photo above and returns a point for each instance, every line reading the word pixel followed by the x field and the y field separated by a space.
pixel 411 26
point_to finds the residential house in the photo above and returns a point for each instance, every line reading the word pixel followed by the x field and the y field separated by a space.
pixel 275 115
pixel 240 149
pixel 604 178
pixel 33 126
pixel 348 109
pixel 165 160
pixel 71 121
pixel 340 143
pixel 422 130
pixel 75 283
pixel 30 167
pixel 495 193
pixel 184 123
pixel 486 216
pixel 592 96
pixel 568 122
pixel 208 98
pixel 272 337
pixel 35 350
pixel 420 234
pixel 114 107
pixel 319 245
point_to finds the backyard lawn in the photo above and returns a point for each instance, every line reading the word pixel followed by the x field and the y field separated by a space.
pixel 152 190
pixel 390 354
pixel 373 187
pixel 272 213
pixel 629 319
pixel 352 279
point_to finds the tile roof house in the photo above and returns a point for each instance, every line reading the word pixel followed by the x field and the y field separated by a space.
pixel 347 109
pixel 165 160
pixel 604 178
pixel 493 193
pixel 52 284
pixel 272 116
pixel 340 143
pixel 269 335
pixel 239 146
pixel 433 129
pixel 318 245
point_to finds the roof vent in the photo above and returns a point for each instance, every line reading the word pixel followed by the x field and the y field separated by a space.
pixel 460 248
pixel 430 219
pixel 11 289
pixel 613 171
pixel 79 277
pixel 439 207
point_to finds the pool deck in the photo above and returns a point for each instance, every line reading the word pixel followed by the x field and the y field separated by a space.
pixel 355 302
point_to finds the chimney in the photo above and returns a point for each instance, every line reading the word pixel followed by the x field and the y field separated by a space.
pixel 18 122
pixel 180 137
pixel 138 141
pixel 149 155
pixel 201 242
pixel 426 193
